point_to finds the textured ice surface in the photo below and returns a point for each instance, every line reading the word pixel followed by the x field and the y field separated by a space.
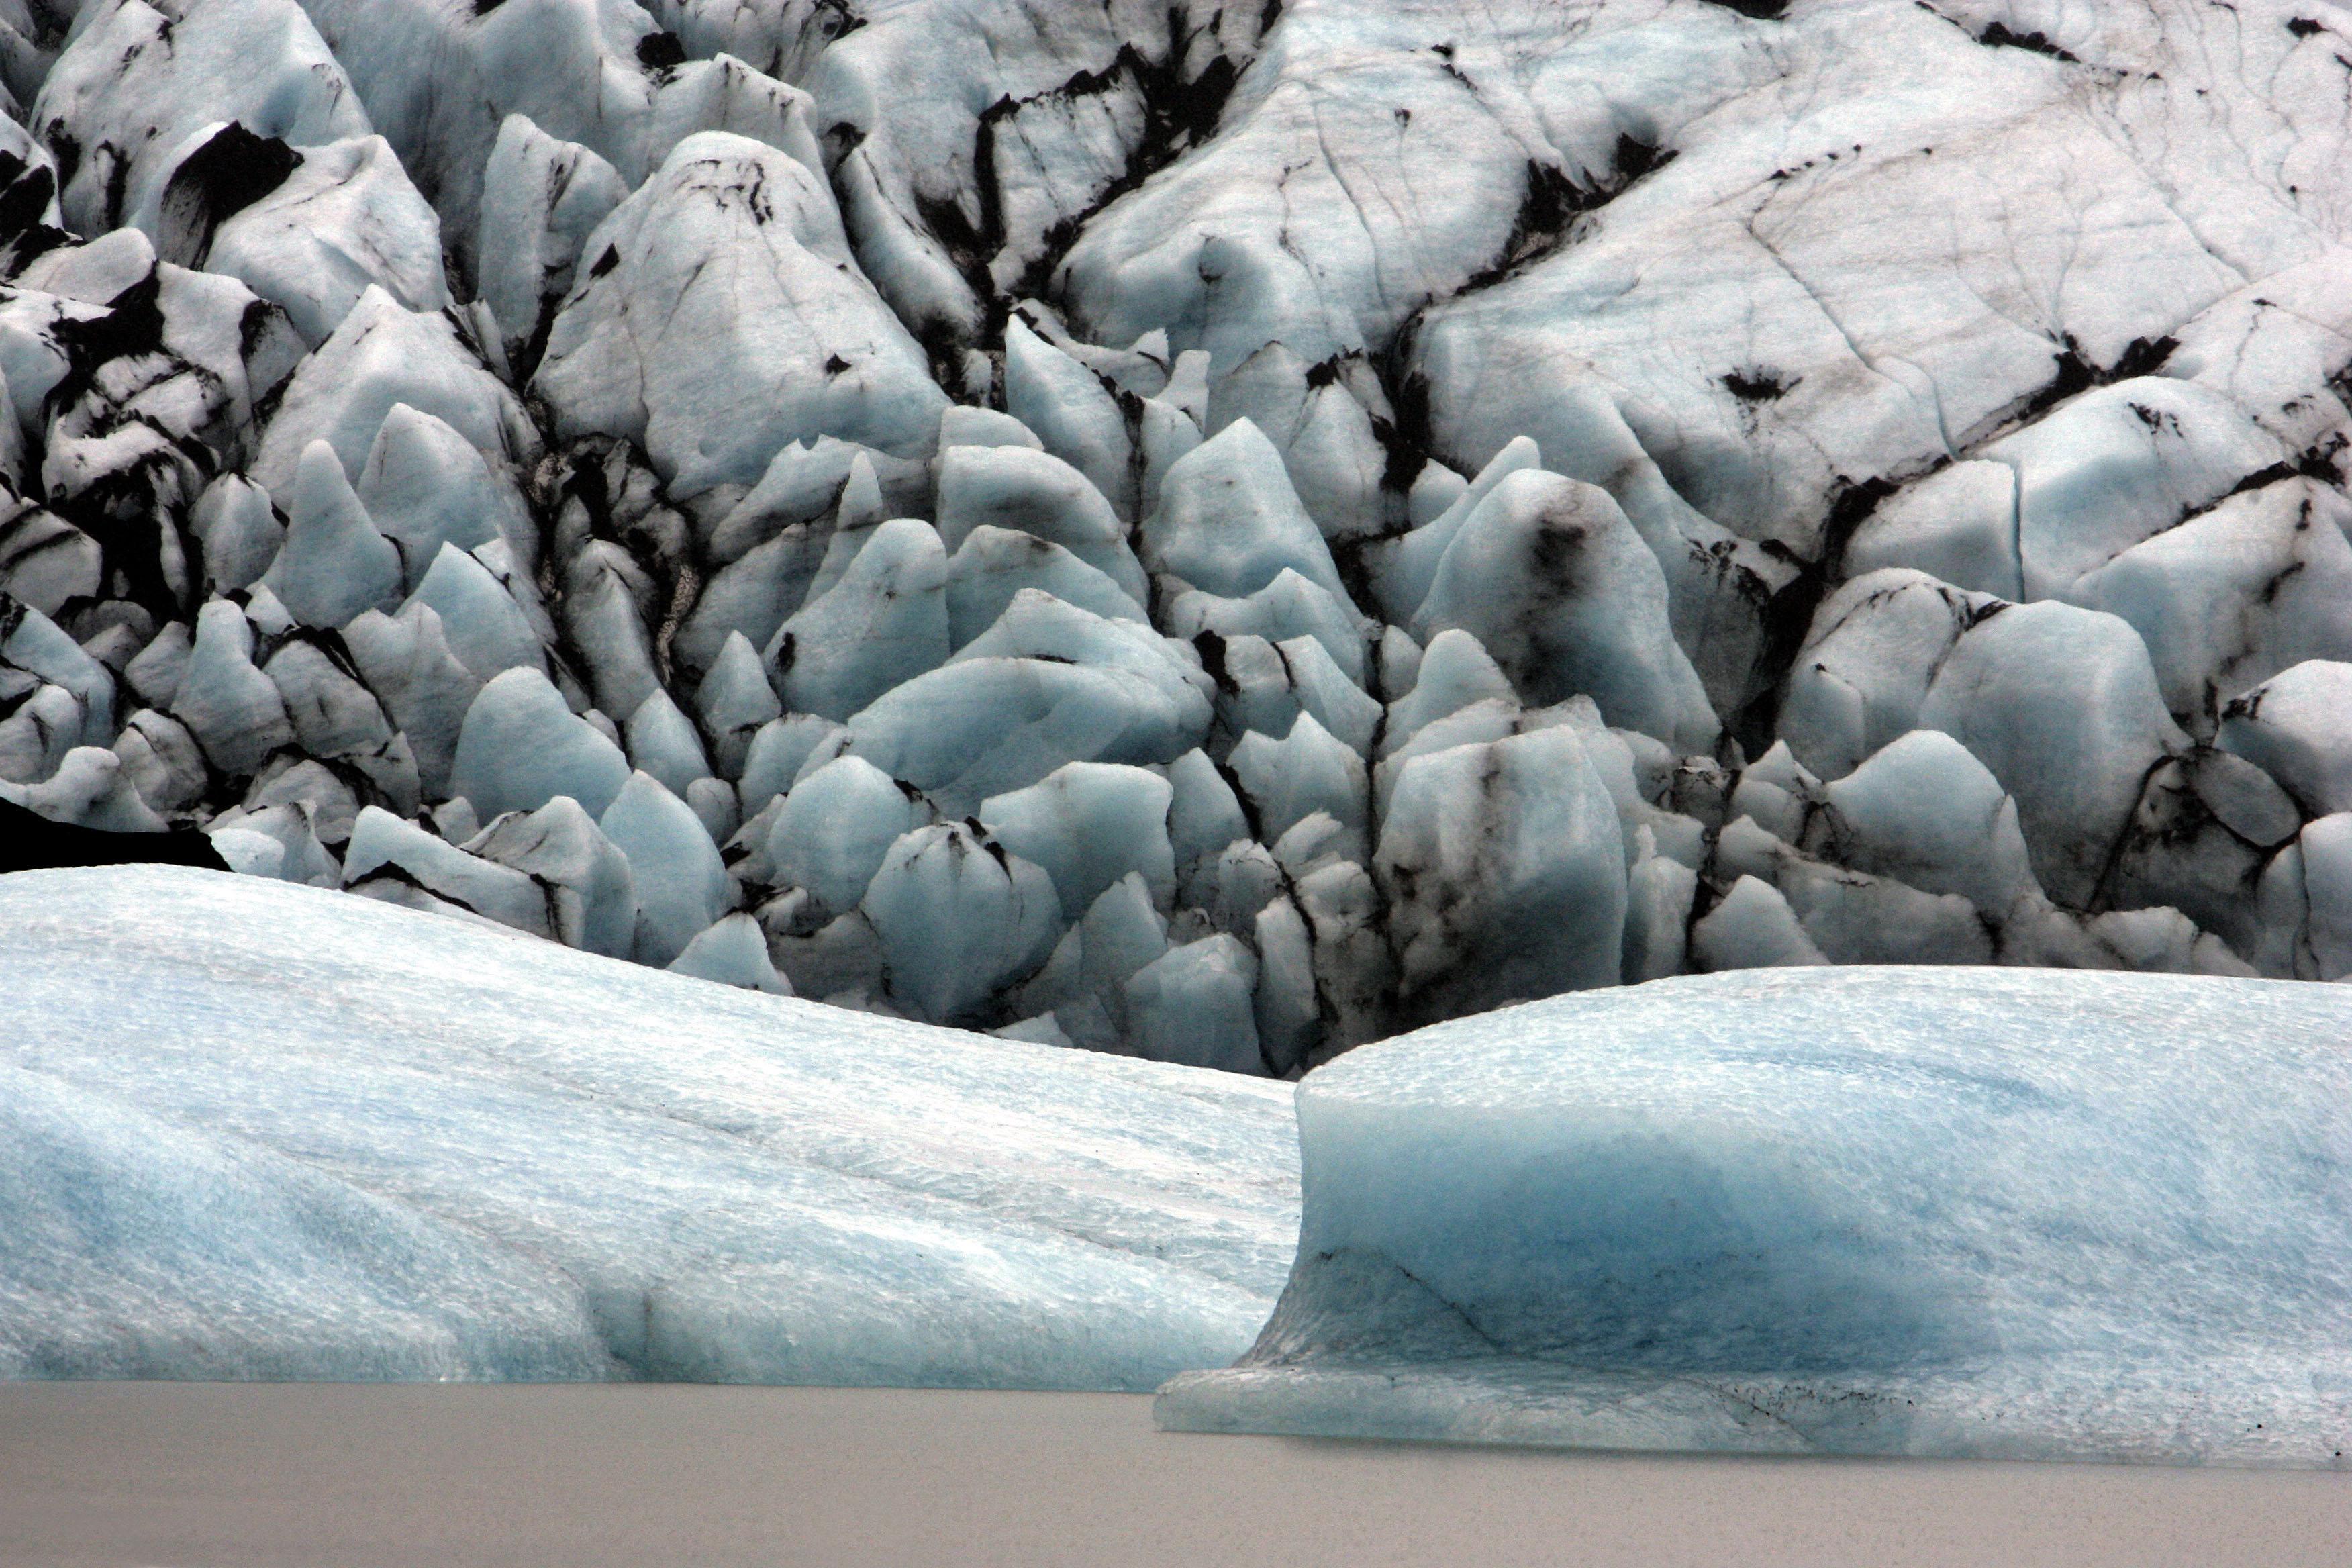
pixel 1520 496
pixel 249 1130
pixel 1960 1212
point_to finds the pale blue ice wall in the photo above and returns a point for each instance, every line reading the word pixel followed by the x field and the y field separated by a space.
pixel 1925 1211
pixel 249 1130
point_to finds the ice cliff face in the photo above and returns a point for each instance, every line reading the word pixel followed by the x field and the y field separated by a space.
pixel 1217 533
pixel 1958 1212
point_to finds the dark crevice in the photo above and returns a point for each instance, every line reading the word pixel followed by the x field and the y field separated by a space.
pixel 66 149
pixel 30 841
pixel 1999 37
pixel 118 180
pixel 2260 479
pixel 1179 114
pixel 2142 356
pixel 1408 435
pixel 2072 373
pixel 660 51
pixel 943 351
pixel 25 192
pixel 1211 647
pixel 2110 864
pixel 1789 613
pixel 133 325
pixel 1552 201
pixel 232 170
pixel 2324 462
pixel 127 510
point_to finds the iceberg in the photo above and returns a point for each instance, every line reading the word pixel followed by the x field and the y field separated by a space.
pixel 252 1130
pixel 1975 1213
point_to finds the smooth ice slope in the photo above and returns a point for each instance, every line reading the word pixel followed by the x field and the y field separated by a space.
pixel 249 1130
pixel 2001 1214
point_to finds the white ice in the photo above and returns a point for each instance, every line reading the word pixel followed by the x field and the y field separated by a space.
pixel 257 1130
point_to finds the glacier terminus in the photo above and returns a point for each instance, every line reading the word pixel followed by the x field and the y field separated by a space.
pixel 830 640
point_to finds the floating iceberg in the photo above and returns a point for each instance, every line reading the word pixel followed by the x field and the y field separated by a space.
pixel 250 1130
pixel 1951 1212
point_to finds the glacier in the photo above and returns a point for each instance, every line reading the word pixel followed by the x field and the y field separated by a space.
pixel 252 1129
pixel 1177 535
pixel 1866 1210
pixel 898 468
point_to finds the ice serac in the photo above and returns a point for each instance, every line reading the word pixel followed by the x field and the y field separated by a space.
pixel 1812 370
pixel 383 355
pixel 521 747
pixel 727 94
pixel 401 863
pixel 1979 1212
pixel 136 80
pixel 732 951
pixel 959 917
pixel 426 485
pixel 1048 684
pixel 681 887
pixel 718 316
pixel 486 628
pixel 2297 727
pixel 425 687
pixel 343 218
pixel 883 623
pixel 232 708
pixel 1504 874
pixel 1008 487
pixel 2260 581
pixel 237 532
pixel 1089 825
pixel 1560 590
pixel 440 80
pixel 834 827
pixel 972 136
pixel 1230 523
pixel 261 1130
pixel 2062 706
pixel 1903 445
pixel 540 199
pixel 581 877
pixel 334 564
pixel 662 742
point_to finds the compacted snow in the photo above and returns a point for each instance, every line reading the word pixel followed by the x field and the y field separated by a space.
pixel 1212 531
pixel 256 1131
pixel 1958 1212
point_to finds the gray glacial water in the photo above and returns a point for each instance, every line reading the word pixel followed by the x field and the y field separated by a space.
pixel 253 1475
